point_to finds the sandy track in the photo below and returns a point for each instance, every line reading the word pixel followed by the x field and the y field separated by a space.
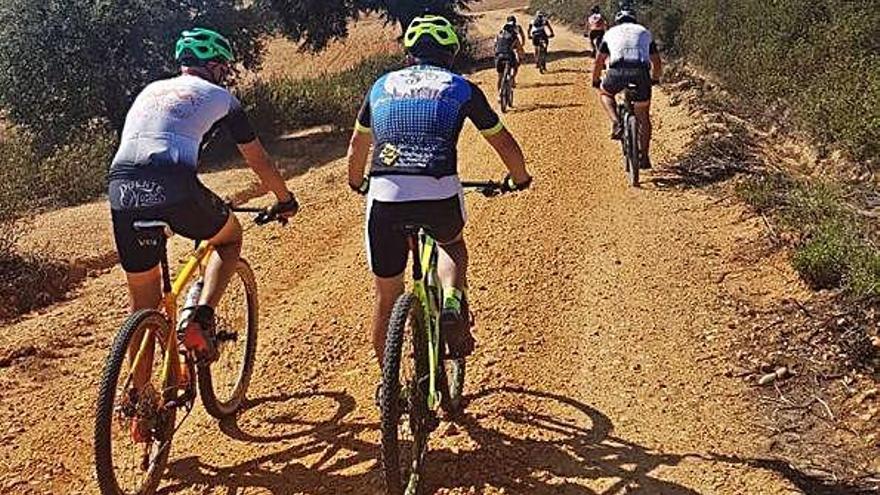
pixel 603 335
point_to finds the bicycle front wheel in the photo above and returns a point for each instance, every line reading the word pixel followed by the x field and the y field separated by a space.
pixel 133 428
pixel 224 383
pixel 403 401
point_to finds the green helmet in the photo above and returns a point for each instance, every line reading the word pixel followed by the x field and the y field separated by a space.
pixel 204 45
pixel 439 28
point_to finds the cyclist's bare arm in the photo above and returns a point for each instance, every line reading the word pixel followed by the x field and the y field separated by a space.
pixel 548 26
pixel 656 67
pixel 358 153
pixel 258 160
pixel 511 154
pixel 519 49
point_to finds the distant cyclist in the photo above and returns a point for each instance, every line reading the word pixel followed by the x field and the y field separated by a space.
pixel 540 30
pixel 630 54
pixel 511 19
pixel 412 118
pixel 153 177
pixel 508 51
pixel 596 25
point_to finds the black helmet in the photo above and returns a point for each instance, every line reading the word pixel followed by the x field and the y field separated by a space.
pixel 597 9
pixel 510 28
pixel 625 16
pixel 511 19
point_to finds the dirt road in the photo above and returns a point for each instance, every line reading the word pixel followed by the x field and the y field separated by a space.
pixel 604 335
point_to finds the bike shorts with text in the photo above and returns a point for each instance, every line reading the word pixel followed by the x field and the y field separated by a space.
pixel 387 248
pixel 617 79
pixel 175 196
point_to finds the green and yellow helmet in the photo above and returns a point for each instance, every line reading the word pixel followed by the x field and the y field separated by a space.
pixel 438 28
pixel 203 45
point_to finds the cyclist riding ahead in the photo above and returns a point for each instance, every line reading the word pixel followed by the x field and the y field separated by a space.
pixel 597 26
pixel 153 177
pixel 540 30
pixel 508 50
pixel 511 19
pixel 630 54
pixel 413 118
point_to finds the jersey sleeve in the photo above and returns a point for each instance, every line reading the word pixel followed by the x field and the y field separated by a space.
pixel 236 123
pixel 478 110
pixel 364 123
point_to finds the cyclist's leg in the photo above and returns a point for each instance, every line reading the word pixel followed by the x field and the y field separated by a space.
pixel 499 67
pixel 611 85
pixel 642 108
pixel 387 254
pixel 452 264
pixel 223 263
pixel 202 215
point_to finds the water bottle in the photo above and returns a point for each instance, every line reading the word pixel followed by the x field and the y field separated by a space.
pixel 190 303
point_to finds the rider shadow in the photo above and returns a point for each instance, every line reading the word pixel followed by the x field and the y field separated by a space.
pixel 292 454
pixel 530 450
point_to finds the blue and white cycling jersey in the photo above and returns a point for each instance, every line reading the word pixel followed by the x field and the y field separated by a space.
pixel 416 116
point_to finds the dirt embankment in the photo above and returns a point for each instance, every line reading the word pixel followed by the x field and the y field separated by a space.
pixel 606 318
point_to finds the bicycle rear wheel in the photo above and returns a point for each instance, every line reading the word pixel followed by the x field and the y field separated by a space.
pixel 403 400
pixel 633 155
pixel 224 383
pixel 505 90
pixel 133 429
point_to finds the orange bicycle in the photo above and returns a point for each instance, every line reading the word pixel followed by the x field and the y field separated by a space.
pixel 148 377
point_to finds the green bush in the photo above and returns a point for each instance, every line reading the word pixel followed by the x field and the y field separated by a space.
pixel 283 104
pixel 822 260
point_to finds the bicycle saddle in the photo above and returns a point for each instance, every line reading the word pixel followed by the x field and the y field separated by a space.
pixel 153 227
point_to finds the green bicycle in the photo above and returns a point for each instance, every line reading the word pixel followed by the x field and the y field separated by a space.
pixel 415 389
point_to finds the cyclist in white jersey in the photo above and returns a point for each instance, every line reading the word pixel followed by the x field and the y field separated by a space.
pixel 630 55
pixel 153 177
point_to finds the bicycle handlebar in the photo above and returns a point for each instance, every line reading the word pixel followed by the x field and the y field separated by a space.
pixel 264 215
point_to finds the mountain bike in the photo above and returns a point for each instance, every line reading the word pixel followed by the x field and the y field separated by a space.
pixel 505 93
pixel 630 138
pixel 148 378
pixel 416 381
pixel 541 44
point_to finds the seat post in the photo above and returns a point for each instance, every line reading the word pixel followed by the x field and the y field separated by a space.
pixel 166 273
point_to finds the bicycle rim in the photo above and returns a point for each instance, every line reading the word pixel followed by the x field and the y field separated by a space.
pixel 133 429
pixel 403 398
pixel 224 383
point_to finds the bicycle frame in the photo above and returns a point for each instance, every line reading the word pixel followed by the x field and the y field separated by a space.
pixel 171 292
pixel 425 255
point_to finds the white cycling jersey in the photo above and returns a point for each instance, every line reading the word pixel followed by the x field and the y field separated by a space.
pixel 628 44
pixel 170 118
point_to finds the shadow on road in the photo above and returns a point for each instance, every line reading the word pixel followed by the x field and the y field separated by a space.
pixel 518 440
pixel 532 107
pixel 544 85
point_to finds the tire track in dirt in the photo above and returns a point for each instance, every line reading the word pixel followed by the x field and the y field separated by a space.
pixel 602 337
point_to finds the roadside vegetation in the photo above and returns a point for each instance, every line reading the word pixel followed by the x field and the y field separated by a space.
pixel 816 78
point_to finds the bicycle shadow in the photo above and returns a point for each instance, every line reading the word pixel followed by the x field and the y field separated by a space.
pixel 511 438
pixel 531 450
pixel 332 446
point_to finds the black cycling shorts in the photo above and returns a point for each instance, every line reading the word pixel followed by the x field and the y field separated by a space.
pixel 387 248
pixel 540 39
pixel 177 198
pixel 596 34
pixel 616 80
pixel 501 59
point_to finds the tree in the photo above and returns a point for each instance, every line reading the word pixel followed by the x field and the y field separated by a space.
pixel 317 22
pixel 64 63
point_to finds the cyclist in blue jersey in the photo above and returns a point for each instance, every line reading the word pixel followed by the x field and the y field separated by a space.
pixel 413 118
